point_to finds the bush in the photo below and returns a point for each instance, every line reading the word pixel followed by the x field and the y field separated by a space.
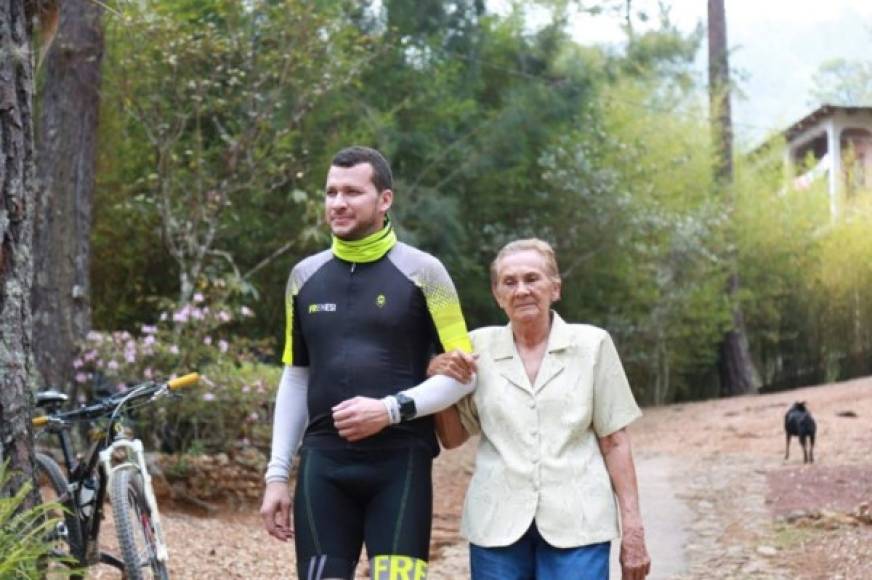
pixel 24 550
pixel 232 409
pixel 232 405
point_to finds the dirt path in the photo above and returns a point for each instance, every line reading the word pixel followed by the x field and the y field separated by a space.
pixel 716 496
pixel 667 518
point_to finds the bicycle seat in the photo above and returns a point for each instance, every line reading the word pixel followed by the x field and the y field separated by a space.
pixel 50 398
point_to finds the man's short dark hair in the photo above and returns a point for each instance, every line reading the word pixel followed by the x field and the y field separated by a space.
pixel 382 177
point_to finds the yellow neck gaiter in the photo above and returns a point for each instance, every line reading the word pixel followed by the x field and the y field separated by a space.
pixel 368 249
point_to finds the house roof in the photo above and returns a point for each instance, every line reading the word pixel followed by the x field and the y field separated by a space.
pixel 821 112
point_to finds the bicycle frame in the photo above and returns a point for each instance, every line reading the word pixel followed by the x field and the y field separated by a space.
pixel 78 472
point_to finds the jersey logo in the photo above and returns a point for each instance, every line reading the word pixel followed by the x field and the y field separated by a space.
pixel 380 300
pixel 313 308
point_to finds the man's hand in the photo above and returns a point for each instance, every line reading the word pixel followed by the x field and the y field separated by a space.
pixel 360 417
pixel 635 561
pixel 456 364
pixel 276 511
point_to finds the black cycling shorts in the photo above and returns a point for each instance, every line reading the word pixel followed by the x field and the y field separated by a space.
pixel 347 497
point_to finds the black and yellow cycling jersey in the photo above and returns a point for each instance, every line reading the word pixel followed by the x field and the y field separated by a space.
pixel 365 317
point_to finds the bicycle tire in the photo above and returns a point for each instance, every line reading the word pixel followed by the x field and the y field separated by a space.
pixel 48 467
pixel 133 527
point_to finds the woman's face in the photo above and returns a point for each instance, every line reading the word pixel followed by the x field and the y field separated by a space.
pixel 524 289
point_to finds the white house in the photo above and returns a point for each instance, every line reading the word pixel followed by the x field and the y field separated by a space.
pixel 839 141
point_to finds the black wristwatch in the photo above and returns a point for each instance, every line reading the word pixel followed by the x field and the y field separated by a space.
pixel 407 407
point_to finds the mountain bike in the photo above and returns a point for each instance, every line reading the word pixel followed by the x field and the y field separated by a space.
pixel 114 463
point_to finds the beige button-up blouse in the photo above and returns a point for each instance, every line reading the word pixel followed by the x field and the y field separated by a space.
pixel 538 455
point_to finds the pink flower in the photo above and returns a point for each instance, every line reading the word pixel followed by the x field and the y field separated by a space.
pixel 148 340
pixel 174 349
pixel 148 373
pixel 207 340
pixel 223 346
pixel 146 329
pixel 112 365
pixel 224 316
pixel 182 314
pixel 81 377
pixel 198 298
pixel 90 355
pixel 77 363
pixel 208 397
pixel 246 311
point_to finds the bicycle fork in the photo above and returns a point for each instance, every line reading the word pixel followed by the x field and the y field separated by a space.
pixel 133 448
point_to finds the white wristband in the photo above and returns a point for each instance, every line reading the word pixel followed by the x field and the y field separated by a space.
pixel 393 409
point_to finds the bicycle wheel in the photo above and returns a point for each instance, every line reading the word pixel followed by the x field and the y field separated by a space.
pixel 66 538
pixel 134 527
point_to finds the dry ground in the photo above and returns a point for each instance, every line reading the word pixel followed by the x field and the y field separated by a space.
pixel 752 514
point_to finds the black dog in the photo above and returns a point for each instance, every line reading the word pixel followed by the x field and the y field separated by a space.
pixel 799 422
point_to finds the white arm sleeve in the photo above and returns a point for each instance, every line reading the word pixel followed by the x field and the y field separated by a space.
pixel 291 416
pixel 433 395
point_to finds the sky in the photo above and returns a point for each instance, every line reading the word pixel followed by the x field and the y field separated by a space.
pixel 776 46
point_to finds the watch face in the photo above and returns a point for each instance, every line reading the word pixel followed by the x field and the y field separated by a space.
pixel 407 407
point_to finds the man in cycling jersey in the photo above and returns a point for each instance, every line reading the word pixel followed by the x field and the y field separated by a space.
pixel 363 319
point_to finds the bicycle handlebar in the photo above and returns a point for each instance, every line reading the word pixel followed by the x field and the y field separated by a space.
pixel 187 380
pixel 106 405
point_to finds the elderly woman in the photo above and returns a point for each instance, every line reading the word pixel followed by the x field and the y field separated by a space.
pixel 552 404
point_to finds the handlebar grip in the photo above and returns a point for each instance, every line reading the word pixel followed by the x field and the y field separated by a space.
pixel 39 421
pixel 184 381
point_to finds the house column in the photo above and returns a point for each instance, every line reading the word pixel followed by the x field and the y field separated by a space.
pixel 834 148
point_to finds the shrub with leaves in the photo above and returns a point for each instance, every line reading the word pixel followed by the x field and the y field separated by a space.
pixel 24 550
pixel 228 408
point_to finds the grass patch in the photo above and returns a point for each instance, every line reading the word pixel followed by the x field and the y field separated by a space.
pixel 788 536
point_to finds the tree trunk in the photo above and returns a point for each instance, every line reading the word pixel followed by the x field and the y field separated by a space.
pixel 16 232
pixel 719 92
pixel 66 142
pixel 737 373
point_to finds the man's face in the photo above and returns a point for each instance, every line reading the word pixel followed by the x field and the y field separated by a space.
pixel 352 206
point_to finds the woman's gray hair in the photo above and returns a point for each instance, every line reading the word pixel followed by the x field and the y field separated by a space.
pixel 541 247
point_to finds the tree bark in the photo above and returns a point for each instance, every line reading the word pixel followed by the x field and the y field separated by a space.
pixel 66 141
pixel 737 372
pixel 16 231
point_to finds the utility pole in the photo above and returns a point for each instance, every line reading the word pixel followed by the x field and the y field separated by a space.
pixel 738 376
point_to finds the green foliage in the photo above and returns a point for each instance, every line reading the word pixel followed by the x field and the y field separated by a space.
pixel 235 411
pixel 205 106
pixel 24 550
pixel 806 277
pixel 776 229
pixel 229 408
pixel 638 219
pixel 845 277
pixel 843 82
pixel 220 119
